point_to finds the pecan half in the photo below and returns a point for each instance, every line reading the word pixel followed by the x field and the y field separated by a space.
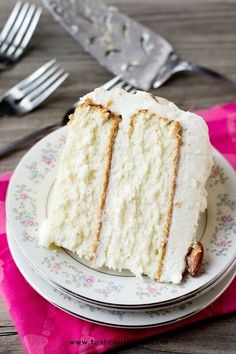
pixel 194 258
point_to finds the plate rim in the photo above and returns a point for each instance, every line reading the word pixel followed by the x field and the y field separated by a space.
pixel 105 324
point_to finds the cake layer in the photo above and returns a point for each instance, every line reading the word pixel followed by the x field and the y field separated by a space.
pixel 80 189
pixel 138 209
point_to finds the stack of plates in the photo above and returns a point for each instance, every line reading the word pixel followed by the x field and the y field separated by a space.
pixel 103 296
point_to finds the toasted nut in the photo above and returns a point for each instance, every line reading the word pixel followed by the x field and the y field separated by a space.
pixel 194 259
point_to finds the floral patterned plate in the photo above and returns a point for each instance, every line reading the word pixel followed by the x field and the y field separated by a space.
pixel 28 200
pixel 115 318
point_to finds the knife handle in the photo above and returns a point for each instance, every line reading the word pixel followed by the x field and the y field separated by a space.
pixel 174 64
pixel 212 73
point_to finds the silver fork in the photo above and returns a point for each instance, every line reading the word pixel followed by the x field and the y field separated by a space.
pixel 15 145
pixel 32 91
pixel 17 32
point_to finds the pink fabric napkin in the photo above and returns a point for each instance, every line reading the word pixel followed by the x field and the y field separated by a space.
pixel 44 329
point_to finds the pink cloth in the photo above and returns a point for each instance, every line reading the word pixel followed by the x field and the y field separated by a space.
pixel 44 329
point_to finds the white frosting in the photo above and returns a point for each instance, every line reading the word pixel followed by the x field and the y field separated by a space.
pixel 194 168
pixel 134 216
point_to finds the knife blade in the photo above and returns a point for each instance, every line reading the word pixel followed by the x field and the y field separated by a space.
pixel 119 43
pixel 126 48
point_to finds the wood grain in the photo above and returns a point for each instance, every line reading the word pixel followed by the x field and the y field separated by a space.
pixel 204 32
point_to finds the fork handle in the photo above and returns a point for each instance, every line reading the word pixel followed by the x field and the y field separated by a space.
pixel 15 145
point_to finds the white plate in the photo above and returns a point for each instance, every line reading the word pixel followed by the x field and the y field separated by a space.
pixel 27 203
pixel 114 318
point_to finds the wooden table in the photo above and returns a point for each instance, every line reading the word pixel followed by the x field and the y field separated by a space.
pixel 204 31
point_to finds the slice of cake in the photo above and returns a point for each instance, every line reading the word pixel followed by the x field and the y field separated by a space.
pixel 131 184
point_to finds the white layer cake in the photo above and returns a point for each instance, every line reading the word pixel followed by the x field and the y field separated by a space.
pixel 131 184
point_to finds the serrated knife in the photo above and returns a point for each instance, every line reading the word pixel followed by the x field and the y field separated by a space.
pixel 125 47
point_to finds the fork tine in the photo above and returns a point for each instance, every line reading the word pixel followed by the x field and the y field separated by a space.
pixel 126 86
pixel 32 15
pixel 44 85
pixel 48 91
pixel 27 81
pixel 129 88
pixel 118 82
pixel 17 24
pixel 21 31
pixel 10 21
pixel 23 40
pixel 112 83
pixel 40 80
